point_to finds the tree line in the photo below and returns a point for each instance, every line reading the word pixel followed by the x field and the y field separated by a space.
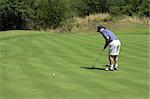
pixel 41 14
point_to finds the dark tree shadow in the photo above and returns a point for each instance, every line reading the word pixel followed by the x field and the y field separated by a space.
pixel 93 68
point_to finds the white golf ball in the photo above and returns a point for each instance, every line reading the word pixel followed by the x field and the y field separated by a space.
pixel 54 74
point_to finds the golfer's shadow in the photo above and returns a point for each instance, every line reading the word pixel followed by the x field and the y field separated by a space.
pixel 93 68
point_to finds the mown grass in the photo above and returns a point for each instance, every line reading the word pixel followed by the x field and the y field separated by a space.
pixel 29 58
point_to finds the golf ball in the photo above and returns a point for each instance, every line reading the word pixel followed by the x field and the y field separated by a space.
pixel 54 74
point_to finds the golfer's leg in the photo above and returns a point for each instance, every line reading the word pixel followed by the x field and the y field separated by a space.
pixel 118 44
pixel 116 62
pixel 111 61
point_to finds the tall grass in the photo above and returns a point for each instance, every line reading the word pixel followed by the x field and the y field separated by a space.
pixel 135 20
pixel 90 23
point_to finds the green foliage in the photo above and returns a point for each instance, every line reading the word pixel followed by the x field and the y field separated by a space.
pixel 129 7
pixel 51 13
pixel 43 14
pixel 115 7
pixel 143 9
pixel 87 7
pixel 14 14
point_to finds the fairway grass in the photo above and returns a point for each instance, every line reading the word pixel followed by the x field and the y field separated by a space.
pixel 28 61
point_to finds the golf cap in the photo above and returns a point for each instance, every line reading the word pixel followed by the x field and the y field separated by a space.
pixel 100 27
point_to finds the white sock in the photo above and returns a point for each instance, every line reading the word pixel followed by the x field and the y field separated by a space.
pixel 116 65
pixel 111 66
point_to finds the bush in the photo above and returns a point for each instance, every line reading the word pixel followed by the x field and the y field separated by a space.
pixel 51 13
pixel 129 7
pixel 15 14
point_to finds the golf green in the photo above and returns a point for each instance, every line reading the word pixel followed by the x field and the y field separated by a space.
pixel 29 60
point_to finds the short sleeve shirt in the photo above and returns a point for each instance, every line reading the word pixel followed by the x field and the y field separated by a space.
pixel 108 35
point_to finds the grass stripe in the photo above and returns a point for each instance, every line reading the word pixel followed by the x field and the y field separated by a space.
pixel 38 57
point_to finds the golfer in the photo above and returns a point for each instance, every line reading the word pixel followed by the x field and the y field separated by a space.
pixel 113 44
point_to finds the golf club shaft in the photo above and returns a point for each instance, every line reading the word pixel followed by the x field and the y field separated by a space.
pixel 98 58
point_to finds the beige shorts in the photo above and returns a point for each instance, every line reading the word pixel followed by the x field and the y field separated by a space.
pixel 114 47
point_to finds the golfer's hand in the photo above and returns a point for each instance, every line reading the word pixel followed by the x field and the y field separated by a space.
pixel 104 48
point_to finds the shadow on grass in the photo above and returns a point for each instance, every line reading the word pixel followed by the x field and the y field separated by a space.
pixel 93 68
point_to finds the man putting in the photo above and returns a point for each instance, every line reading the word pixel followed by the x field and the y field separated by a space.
pixel 113 44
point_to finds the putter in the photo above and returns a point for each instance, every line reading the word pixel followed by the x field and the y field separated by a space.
pixel 98 57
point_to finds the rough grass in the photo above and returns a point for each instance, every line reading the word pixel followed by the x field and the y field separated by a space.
pixel 28 60
pixel 89 23
pixel 135 20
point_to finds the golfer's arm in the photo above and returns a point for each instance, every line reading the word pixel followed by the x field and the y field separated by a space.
pixel 106 43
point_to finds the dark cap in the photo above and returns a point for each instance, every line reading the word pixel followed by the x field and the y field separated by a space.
pixel 100 27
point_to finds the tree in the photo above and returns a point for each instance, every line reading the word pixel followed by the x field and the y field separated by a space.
pixel 51 13
pixel 14 14
pixel 143 8
pixel 129 7
pixel 87 7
